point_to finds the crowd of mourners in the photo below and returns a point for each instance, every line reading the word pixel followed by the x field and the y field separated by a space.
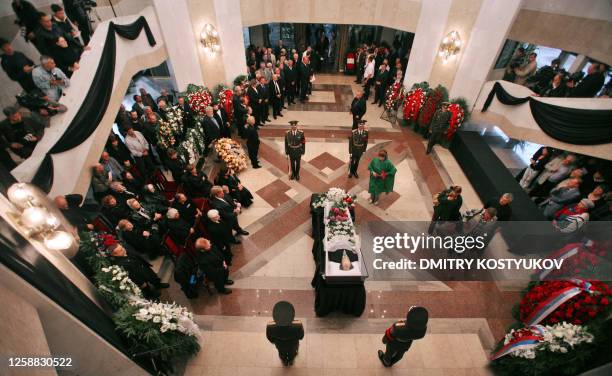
pixel 570 189
pixel 554 81
pixel 60 40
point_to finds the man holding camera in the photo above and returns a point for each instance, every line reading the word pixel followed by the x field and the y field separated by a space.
pixel 50 79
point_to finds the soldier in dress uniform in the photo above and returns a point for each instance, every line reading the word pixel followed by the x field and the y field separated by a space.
pixel 284 332
pixel 439 125
pixel 295 147
pixel 400 335
pixel 358 143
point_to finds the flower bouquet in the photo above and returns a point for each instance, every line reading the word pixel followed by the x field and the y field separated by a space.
pixel 192 148
pixel 163 331
pixel 225 96
pixel 199 98
pixel 231 153
pixel 394 95
pixel 413 102
pixel 580 260
pixel 559 349
pixel 575 301
pixel 336 195
pixel 166 137
pixel 116 286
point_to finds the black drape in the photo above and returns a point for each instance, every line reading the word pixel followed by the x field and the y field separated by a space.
pixel 572 125
pixel 94 106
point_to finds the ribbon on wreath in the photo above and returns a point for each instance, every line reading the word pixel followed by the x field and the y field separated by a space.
pixel 564 253
pixel 522 342
pixel 456 119
pixel 554 301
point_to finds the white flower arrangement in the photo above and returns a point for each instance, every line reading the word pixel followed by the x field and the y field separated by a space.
pixel 335 195
pixel 560 338
pixel 231 153
pixel 171 317
pixel 122 281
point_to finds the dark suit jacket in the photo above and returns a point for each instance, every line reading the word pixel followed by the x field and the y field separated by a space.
pixel 252 137
pixel 178 230
pixel 589 86
pixel 285 337
pixel 358 107
pixel 212 130
pixel 226 209
pixel 254 96
pixel 291 76
pixel 273 92
pixel 220 233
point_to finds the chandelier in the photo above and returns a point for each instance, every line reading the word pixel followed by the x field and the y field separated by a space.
pixel 209 37
pixel 450 46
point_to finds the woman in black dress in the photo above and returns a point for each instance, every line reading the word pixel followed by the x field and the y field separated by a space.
pixel 196 182
pixel 239 192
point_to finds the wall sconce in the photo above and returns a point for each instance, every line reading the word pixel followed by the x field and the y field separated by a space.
pixel 209 37
pixel 450 46
pixel 38 222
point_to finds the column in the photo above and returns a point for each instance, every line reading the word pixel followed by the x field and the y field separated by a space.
pixel 229 26
pixel 178 35
pixel 578 63
pixel 481 49
pixel 429 32
pixel 222 66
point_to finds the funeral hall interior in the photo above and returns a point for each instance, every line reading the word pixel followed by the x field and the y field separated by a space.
pixel 338 187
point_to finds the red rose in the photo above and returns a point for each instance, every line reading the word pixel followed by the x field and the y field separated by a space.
pixel 604 301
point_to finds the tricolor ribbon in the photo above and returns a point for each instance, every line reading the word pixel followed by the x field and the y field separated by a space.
pixel 549 305
pixel 566 252
pixel 524 342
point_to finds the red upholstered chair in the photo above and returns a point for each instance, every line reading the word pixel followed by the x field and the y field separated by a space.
pixel 99 225
pixel 174 249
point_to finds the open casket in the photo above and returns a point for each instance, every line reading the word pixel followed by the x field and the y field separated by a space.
pixel 341 245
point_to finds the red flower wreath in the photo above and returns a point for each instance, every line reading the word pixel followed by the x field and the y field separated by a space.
pixel 413 104
pixel 429 108
pixel 577 310
pixel 226 99
pixel 456 119
pixel 199 100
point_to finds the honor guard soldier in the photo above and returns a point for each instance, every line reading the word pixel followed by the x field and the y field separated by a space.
pixel 358 143
pixel 295 147
pixel 439 125
pixel 284 332
pixel 400 335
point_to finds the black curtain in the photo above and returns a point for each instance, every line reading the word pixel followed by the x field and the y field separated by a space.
pixel 572 125
pixel 96 101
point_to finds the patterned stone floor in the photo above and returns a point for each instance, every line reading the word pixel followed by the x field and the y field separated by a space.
pixel 275 262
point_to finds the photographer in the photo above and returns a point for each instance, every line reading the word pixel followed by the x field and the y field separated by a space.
pixel 50 79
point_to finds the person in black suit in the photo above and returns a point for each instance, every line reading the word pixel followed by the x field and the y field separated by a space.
pixel 264 90
pixel 221 234
pixel 276 95
pixel 221 116
pixel 241 112
pixel 226 177
pixel 178 229
pixel 187 209
pixel 113 211
pixel 358 108
pixel 305 74
pixel 175 164
pixel 138 106
pixel 380 84
pixel 186 274
pixel 212 128
pixel 195 182
pixel 188 117
pixel 17 66
pixel 291 78
pixel 398 338
pixel 255 101
pixel 138 269
pixel 252 143
pixel 285 332
pixel 148 100
pixel 148 242
pixel 227 208
pixel 592 83
pixel 212 264
pixel 69 205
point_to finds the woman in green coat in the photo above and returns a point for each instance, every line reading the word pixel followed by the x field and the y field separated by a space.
pixel 382 176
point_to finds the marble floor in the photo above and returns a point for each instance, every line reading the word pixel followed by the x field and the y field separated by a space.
pixel 275 261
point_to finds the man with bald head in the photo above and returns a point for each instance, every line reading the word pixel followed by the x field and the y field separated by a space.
pixel 69 206
pixel 212 263
pixel 111 166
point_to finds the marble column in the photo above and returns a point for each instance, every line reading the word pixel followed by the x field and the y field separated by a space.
pixel 182 49
pixel 578 63
pixel 222 66
pixel 480 50
pixel 428 34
